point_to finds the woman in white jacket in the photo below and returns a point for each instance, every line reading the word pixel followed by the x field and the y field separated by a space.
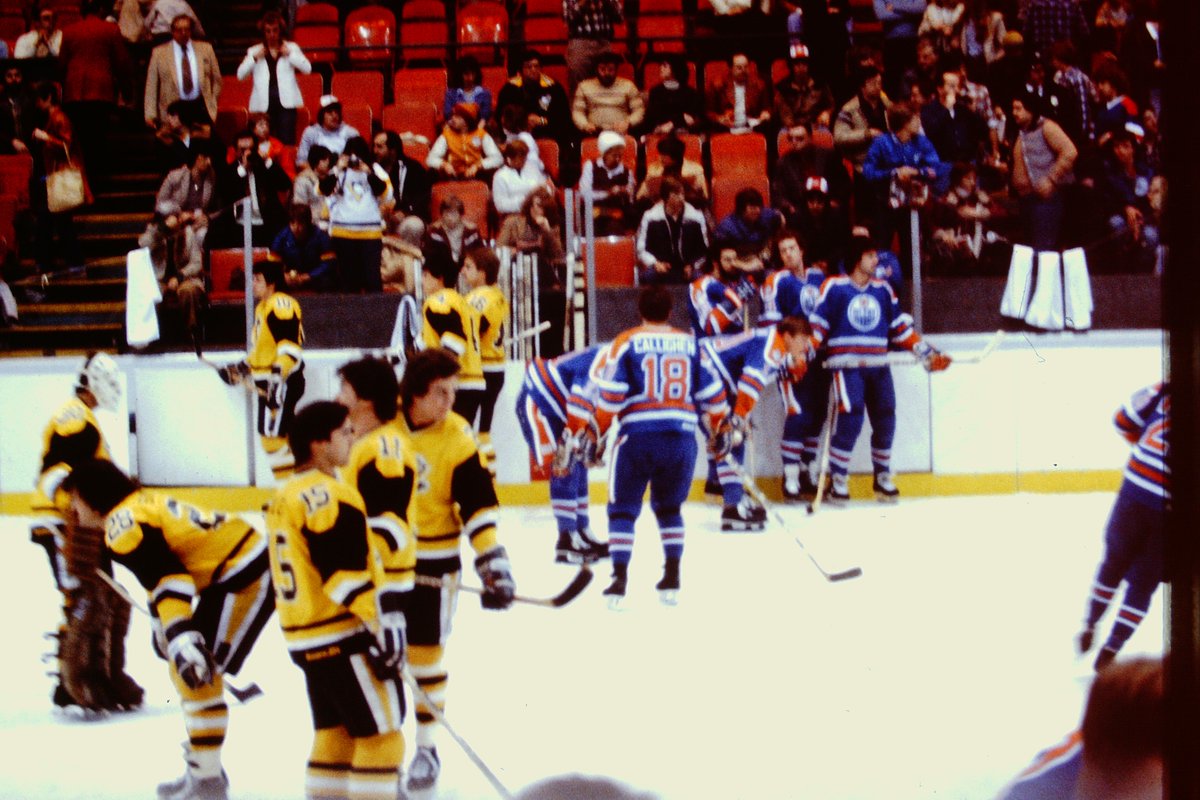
pixel 274 64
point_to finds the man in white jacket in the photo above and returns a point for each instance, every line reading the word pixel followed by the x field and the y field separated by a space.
pixel 273 63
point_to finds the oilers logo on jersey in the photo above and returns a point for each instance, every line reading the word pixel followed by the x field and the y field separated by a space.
pixel 864 313
pixel 809 295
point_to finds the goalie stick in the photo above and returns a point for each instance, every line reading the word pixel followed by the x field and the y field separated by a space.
pixel 243 694
pixel 573 590
pixel 752 488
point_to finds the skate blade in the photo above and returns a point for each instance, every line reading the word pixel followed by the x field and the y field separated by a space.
pixel 742 527
pixel 616 602
pixel 888 500
pixel 668 597
pixel 568 558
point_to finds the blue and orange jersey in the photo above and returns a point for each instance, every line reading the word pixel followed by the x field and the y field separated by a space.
pixel 1146 423
pixel 1053 773
pixel 786 294
pixel 748 362
pixel 857 324
pixel 564 388
pixel 653 381
pixel 713 307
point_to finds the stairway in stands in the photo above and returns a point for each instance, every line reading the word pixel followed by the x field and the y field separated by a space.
pixel 63 312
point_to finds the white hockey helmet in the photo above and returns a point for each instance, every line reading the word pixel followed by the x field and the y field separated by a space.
pixel 102 377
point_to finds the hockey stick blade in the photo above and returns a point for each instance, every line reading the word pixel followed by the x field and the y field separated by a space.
pixel 243 694
pixel 573 590
pixel 534 331
pixel 992 344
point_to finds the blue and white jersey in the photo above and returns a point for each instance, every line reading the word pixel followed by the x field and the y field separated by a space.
pixel 565 387
pixel 1052 775
pixel 713 307
pixel 856 324
pixel 747 363
pixel 785 294
pixel 653 381
pixel 1145 421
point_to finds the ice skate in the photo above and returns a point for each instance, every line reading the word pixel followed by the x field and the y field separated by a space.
pixel 616 590
pixel 668 587
pixel 885 488
pixel 712 486
pixel 189 787
pixel 599 549
pixel 424 770
pixel 837 493
pixel 572 549
pixel 745 517
pixel 793 487
pixel 1083 641
pixel 1106 656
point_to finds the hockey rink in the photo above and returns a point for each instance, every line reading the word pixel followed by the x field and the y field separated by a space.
pixel 937 674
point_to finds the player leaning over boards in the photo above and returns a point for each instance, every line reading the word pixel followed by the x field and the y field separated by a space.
pixel 455 497
pixel 210 596
pixel 555 406
pixel 653 384
pixel 91 637
pixel 747 363
pixel 452 324
pixel 275 363
pixel 856 319
pixel 481 270
pixel 1133 540
pixel 328 598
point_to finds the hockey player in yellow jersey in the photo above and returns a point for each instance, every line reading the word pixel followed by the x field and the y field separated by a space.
pixel 326 580
pixel 481 271
pixel 275 362
pixel 449 322
pixel 455 497
pixel 95 620
pixel 206 574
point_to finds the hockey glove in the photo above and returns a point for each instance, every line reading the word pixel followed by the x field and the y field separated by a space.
pixel 595 450
pixel 192 660
pixel 564 454
pixel 499 588
pixel 275 388
pixel 391 642
pixel 740 427
pixel 932 359
pixel 745 290
pixel 233 374
pixel 720 443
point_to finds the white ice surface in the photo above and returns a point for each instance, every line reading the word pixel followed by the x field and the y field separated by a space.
pixel 938 674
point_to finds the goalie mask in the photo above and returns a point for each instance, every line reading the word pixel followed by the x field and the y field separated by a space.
pixel 102 377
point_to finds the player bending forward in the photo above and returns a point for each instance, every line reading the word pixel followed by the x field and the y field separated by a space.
pixel 210 596
pixel 275 363
pixel 555 405
pixel 455 497
pixel 330 608
pixel 856 318
pixel 652 385
pixel 91 636
pixel 1133 541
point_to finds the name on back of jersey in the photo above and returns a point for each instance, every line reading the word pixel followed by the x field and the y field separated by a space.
pixel 664 344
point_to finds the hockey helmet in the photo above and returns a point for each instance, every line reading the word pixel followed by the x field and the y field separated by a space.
pixel 102 377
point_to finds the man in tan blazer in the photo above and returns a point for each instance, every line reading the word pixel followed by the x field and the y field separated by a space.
pixel 182 69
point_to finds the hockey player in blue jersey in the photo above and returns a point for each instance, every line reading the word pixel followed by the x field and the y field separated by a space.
pixel 555 406
pixel 748 363
pixel 654 386
pixel 793 290
pixel 717 299
pixel 1133 541
pixel 856 319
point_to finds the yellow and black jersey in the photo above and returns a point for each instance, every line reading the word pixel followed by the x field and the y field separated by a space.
pixel 278 335
pixel 321 566
pixel 492 306
pixel 384 471
pixel 71 437
pixel 455 495
pixel 177 550
pixel 449 321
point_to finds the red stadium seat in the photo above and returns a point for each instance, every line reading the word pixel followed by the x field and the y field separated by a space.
pixel 548 152
pixel 412 116
pixel 234 93
pixel 663 33
pixel 419 84
pixel 558 72
pixel 416 150
pixel 693 147
pixel 547 35
pixel 15 171
pixel 424 33
pixel 476 199
pixel 738 153
pixel 359 117
pixel 543 8
pixel 483 31
pixel 616 261
pixel 317 14
pixel 370 36
pixel 726 187
pixel 320 43
pixel 230 122
pixel 312 86
pixel 493 79
pixel 222 264
pixel 588 151
pixel 360 87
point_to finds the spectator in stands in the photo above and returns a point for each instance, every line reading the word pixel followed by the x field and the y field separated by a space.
pixel 1050 21
pixel 452 231
pixel 606 101
pixel 672 104
pixel 1047 92
pixel 590 29
pixel 54 147
pixel 537 229
pixel 799 100
pixel 672 241
pixel 752 226
pixel 357 191
pixel 1077 114
pixel 465 150
pixel 1115 110
pixel 738 102
pixel 1007 73
pixel 264 182
pixel 1125 189
pixel 467 88
pixel 673 163
pixel 926 72
pixel 901 20
pixel 942 21
pixel 1141 56
pixel 804 160
pixel 269 147
pixel 16 112
pixel 982 37
pixel 610 184
pixel 824 228
pixel 510 184
pixel 1043 162
pixel 158 18
pixel 175 236
pixel 957 133
pixel 273 63
pixel 306 189
pixel 958 221
pixel 859 123
pixel 43 40
pixel 1151 141
pixel 177 135
pixel 329 131
pixel 402 254
pixel 186 70
pixel 97 76
pixel 544 102
pixel 306 252
pixel 411 184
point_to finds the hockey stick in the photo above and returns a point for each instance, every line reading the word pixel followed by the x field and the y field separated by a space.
pixel 903 359
pixel 573 590
pixel 544 325
pixel 422 696
pixel 752 488
pixel 992 344
pixel 826 444
pixel 243 694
